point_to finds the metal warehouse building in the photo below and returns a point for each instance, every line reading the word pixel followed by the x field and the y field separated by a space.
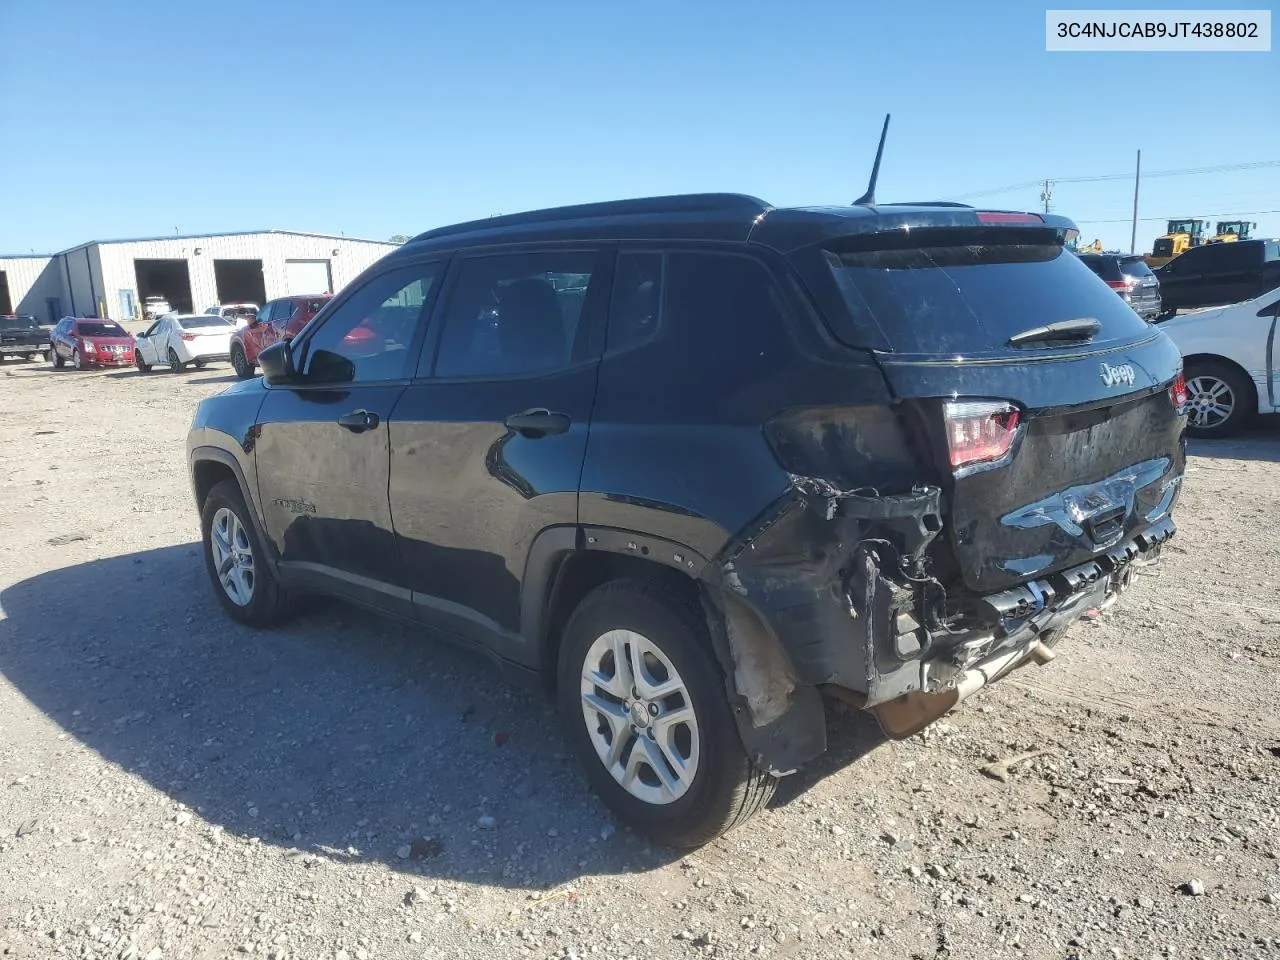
pixel 112 278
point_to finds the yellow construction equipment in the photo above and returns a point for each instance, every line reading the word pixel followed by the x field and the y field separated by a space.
pixel 1179 236
pixel 1231 230
pixel 1095 247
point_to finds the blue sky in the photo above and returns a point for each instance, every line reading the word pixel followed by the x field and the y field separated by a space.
pixel 377 118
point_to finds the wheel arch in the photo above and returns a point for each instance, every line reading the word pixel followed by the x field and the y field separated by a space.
pixel 211 465
pixel 566 564
pixel 1204 357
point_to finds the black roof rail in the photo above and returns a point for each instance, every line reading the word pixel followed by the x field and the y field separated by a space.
pixel 728 203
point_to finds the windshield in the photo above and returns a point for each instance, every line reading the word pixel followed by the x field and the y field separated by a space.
pixel 969 298
pixel 204 320
pixel 100 328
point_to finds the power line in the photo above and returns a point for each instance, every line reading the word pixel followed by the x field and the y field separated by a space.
pixel 1184 172
pixel 1203 216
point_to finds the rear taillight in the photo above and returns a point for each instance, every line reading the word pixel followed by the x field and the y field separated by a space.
pixel 1178 394
pixel 1118 284
pixel 979 431
pixel 189 337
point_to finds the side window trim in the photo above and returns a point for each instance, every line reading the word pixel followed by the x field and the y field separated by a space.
pixel 426 320
pixel 595 309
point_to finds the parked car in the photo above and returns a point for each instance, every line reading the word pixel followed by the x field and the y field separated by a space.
pixel 275 320
pixel 1232 358
pixel 21 336
pixel 238 313
pixel 90 342
pixel 153 308
pixel 1130 277
pixel 716 461
pixel 1219 273
pixel 181 340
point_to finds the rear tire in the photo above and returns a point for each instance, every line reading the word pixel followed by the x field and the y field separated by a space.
pixel 201 364
pixel 175 364
pixel 1221 399
pixel 226 515
pixel 240 363
pixel 708 785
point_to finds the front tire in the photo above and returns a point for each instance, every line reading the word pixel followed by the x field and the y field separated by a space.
pixel 56 357
pixel 1221 399
pixel 235 560
pixel 76 361
pixel 240 363
pixel 645 703
pixel 137 362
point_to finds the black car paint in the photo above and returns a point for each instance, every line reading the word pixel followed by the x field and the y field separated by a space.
pixel 764 542
pixel 1220 273
pixel 21 336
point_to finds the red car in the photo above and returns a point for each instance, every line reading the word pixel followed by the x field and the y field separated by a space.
pixel 276 320
pixel 90 342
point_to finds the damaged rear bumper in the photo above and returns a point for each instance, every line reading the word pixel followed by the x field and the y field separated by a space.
pixel 835 598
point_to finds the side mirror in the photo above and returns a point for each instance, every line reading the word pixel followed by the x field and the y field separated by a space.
pixel 329 367
pixel 277 364
pixel 254 320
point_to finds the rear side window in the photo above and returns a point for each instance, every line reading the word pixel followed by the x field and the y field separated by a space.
pixel 637 300
pixel 515 314
pixel 969 294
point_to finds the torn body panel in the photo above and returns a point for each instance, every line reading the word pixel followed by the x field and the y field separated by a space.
pixel 837 589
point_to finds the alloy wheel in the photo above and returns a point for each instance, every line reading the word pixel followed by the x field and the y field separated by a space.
pixel 1211 402
pixel 639 717
pixel 232 556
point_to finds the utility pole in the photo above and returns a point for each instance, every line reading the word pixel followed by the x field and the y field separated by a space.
pixel 1137 176
pixel 1047 194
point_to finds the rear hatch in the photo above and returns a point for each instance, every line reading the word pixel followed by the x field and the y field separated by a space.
pixel 1047 403
pixel 1141 288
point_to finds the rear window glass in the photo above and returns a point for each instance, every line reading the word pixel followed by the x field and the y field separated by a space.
pixel 204 320
pixel 1135 267
pixel 1105 267
pixel 100 329
pixel 19 323
pixel 970 297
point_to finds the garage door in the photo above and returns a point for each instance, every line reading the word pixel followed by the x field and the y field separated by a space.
pixel 307 276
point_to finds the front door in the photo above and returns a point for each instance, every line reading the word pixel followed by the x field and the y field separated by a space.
pixel 321 446
pixel 148 345
pixel 488 442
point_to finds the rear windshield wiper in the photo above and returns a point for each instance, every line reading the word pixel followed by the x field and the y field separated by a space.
pixel 1082 329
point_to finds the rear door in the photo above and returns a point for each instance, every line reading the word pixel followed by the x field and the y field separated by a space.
pixel 1051 448
pixel 321 445
pixel 488 441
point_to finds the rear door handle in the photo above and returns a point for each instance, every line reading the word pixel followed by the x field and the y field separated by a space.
pixel 538 422
pixel 358 421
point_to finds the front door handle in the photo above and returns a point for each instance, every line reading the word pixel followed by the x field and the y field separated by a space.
pixel 358 421
pixel 538 422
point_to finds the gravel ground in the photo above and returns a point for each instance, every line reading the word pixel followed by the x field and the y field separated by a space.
pixel 173 785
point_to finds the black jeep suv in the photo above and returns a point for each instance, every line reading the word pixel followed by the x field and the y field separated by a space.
pixel 698 462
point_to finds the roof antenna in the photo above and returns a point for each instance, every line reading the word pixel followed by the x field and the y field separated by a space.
pixel 868 199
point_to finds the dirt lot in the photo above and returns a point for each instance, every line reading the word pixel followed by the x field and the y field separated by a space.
pixel 173 785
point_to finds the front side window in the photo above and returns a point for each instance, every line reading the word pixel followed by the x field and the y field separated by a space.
pixel 367 338
pixel 515 314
